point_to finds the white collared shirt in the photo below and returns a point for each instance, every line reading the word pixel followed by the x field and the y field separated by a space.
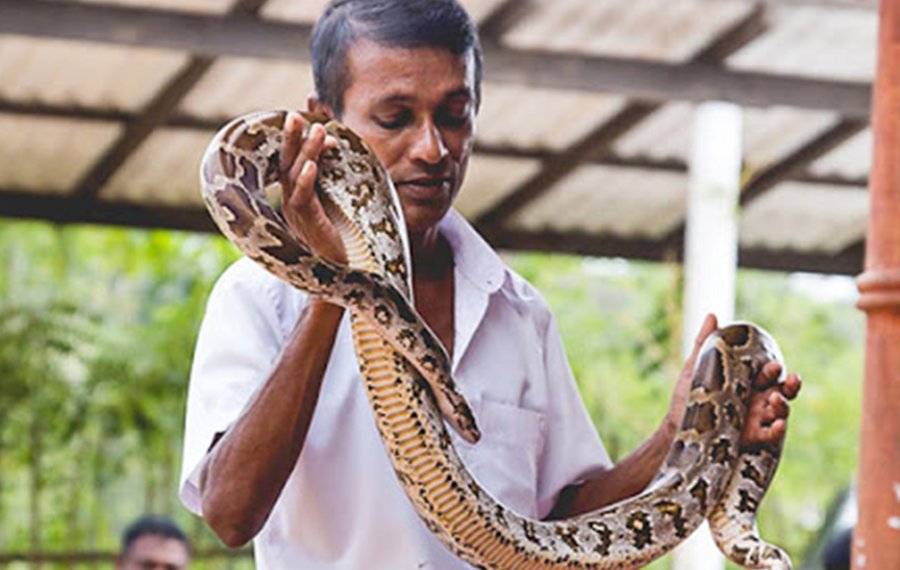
pixel 342 507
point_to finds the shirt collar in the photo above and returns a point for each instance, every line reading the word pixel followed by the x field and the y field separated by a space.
pixel 473 257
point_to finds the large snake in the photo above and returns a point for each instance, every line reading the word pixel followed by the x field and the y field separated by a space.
pixel 706 475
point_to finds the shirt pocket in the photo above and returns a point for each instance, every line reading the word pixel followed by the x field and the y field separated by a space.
pixel 505 459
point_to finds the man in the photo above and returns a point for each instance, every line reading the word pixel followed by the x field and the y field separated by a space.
pixel 153 543
pixel 280 444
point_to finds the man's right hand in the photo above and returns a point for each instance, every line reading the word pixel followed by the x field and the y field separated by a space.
pixel 302 207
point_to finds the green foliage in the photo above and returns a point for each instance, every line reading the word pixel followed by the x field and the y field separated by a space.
pixel 96 333
pixel 97 328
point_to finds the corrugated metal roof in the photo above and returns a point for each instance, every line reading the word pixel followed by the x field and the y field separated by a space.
pixel 49 155
pixel 142 109
pixel 815 42
pixel 768 133
pixel 610 201
pixel 542 119
pixel 163 171
pixel 803 217
pixel 236 85
pixel 646 29
pixel 84 74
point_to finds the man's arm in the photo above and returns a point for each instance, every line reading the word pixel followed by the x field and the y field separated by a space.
pixel 766 424
pixel 243 474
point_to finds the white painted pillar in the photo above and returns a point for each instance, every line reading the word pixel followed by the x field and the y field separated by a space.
pixel 710 264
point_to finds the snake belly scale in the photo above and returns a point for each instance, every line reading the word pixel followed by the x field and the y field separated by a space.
pixel 407 377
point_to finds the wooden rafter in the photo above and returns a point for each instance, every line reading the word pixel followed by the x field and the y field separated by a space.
pixel 142 126
pixel 503 18
pixel 801 158
pixel 60 209
pixel 794 164
pixel 17 203
pixel 600 139
pixel 846 262
pixel 558 166
pixel 181 121
pixel 154 114
pixel 247 36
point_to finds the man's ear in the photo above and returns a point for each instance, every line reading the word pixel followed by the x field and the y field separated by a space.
pixel 317 107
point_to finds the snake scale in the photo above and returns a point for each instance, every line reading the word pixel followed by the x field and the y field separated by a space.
pixel 407 377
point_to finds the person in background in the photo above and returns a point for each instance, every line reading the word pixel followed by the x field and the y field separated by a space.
pixel 837 551
pixel 153 543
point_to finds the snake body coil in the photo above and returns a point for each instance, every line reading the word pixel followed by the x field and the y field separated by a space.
pixel 407 377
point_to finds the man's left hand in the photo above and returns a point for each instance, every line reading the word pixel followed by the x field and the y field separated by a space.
pixel 766 421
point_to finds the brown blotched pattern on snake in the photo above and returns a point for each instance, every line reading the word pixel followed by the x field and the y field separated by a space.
pixel 705 474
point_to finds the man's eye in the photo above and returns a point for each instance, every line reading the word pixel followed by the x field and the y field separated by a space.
pixel 392 121
pixel 455 117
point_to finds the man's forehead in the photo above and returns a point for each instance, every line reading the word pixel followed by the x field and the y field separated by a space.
pixel 399 72
pixel 159 548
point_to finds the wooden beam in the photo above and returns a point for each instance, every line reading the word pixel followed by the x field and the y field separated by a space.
pixel 79 113
pixel 180 121
pixel 66 209
pixel 846 262
pixel 855 182
pixel 140 128
pixel 154 114
pixel 652 81
pixel 237 34
pixel 600 139
pixel 792 165
pixel 560 165
pixel 504 17
pixel 833 5
pixel 799 160
pixel 732 39
pixel 245 36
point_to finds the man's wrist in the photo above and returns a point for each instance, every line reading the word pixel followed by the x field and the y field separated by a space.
pixel 319 308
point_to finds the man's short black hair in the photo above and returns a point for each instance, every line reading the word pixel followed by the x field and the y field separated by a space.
pixel 392 23
pixel 154 525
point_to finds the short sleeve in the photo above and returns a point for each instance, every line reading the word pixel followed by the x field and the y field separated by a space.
pixel 240 337
pixel 573 452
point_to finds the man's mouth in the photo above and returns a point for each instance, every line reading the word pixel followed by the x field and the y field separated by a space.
pixel 426 187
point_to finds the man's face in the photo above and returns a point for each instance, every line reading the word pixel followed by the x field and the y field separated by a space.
pixel 416 109
pixel 154 552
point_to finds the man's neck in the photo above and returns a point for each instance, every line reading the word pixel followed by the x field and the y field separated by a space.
pixel 432 257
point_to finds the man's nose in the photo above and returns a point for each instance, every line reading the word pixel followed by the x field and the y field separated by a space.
pixel 429 146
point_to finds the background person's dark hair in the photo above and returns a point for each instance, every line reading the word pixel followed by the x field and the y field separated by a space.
pixel 154 525
pixel 392 23
pixel 837 552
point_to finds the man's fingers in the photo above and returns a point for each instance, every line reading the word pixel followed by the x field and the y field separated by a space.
pixel 768 376
pixel 710 324
pixel 773 432
pixel 293 140
pixel 309 151
pixel 304 186
pixel 779 405
pixel 791 386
